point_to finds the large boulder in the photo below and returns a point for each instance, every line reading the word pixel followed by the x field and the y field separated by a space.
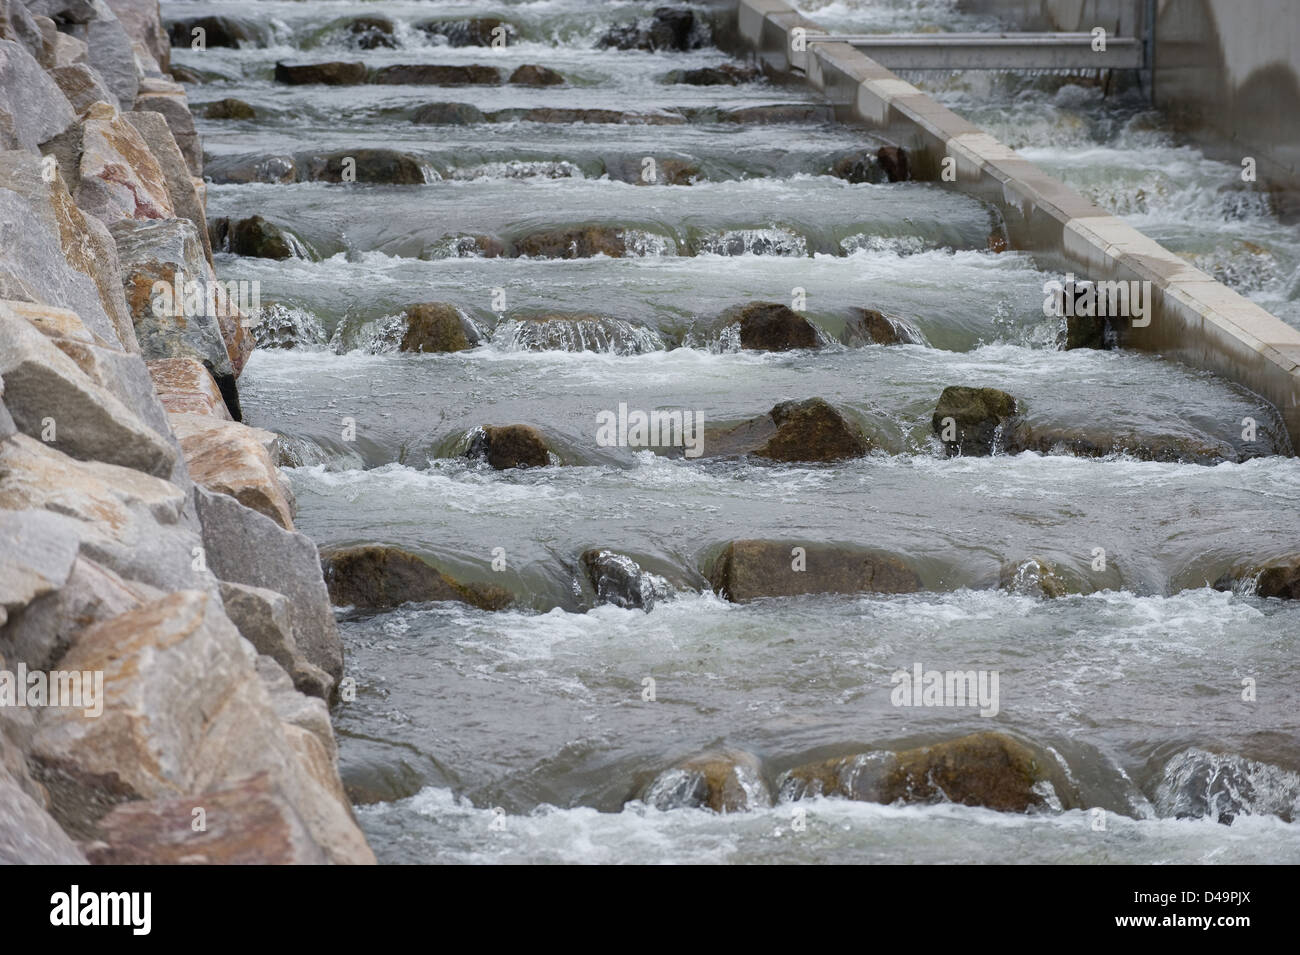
pixel 37 552
pixel 245 547
pixel 265 619
pixel 509 446
pixel 18 24
pixel 81 84
pixel 256 238
pixel 185 385
pixel 972 421
pixel 51 253
pixel 1279 577
pixel 157 134
pixel 189 325
pixel 112 53
pixel 168 98
pixel 32 107
pixel 749 569
pixel 185 713
pixel 52 399
pixel 232 458
pixel 432 74
pixel 378 576
pixel 530 74
pixel 437 327
pixel 771 326
pixel 724 781
pixel 793 431
pixel 984 769
pixel 142 21
pixel 248 822
pixel 329 74
pixel 579 243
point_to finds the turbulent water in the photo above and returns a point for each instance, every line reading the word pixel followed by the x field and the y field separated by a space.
pixel 522 735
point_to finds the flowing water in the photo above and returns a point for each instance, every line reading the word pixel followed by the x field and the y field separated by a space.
pixel 523 734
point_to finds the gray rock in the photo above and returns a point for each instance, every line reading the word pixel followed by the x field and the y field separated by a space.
pixel 32 107
pixel 82 85
pixel 168 251
pixel 168 98
pixel 142 21
pixel 50 252
pixel 112 54
pixel 7 426
pixel 157 134
pixel 46 387
pixel 246 547
pixel 16 24
pixel 64 11
pixel 264 619
pixel 37 551
pixel 28 834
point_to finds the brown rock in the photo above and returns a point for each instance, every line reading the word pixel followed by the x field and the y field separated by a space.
pixel 81 85
pixel 431 74
pixel 771 326
pixel 1276 578
pixel 724 781
pixel 377 576
pixel 551 114
pixel 894 162
pixel 747 569
pixel 984 769
pixel 329 74
pixel 232 458
pixel 249 822
pixel 511 446
pixel 434 327
pixel 532 75
pixel 185 386
pixel 229 108
pixel 870 327
pixel 580 243
pixel 810 430
pixel 970 420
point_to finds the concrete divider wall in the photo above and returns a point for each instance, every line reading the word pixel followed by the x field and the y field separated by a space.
pixel 1193 318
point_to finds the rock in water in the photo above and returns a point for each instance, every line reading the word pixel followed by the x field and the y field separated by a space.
pixel 257 238
pixel 510 446
pixel 229 108
pixel 369 165
pixel 984 769
pixel 771 326
pixel 532 75
pixel 894 162
pixel 810 430
pixel 437 327
pixel 582 243
pixel 472 31
pixel 619 580
pixel 870 327
pixel 377 576
pixel 448 114
pixel 724 781
pixel 328 74
pixel 749 569
pixel 217 32
pixel 432 74
pixel 1276 578
pixel 970 421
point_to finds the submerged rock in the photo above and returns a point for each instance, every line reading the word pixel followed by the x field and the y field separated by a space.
pixel 580 243
pixel 748 569
pixel 1034 578
pixel 575 332
pixel 229 108
pixel 806 431
pixel 1095 441
pixel 437 327
pixel 261 168
pixel 724 781
pixel 667 28
pixel 1279 577
pixel 372 33
pixel 619 580
pixel 781 113
pixel 329 74
pixel 369 165
pixel 728 74
pixel 530 74
pixel 509 446
pixel 893 161
pixel 378 576
pixel 217 32
pixel 256 238
pixel 433 74
pixel 970 421
pixel 859 167
pixel 870 327
pixel 471 31
pixel 666 171
pixel 984 769
pixel 1197 784
pixel 771 326
pixel 448 114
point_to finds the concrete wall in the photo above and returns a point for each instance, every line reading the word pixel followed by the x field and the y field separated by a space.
pixel 1193 319
pixel 1227 72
